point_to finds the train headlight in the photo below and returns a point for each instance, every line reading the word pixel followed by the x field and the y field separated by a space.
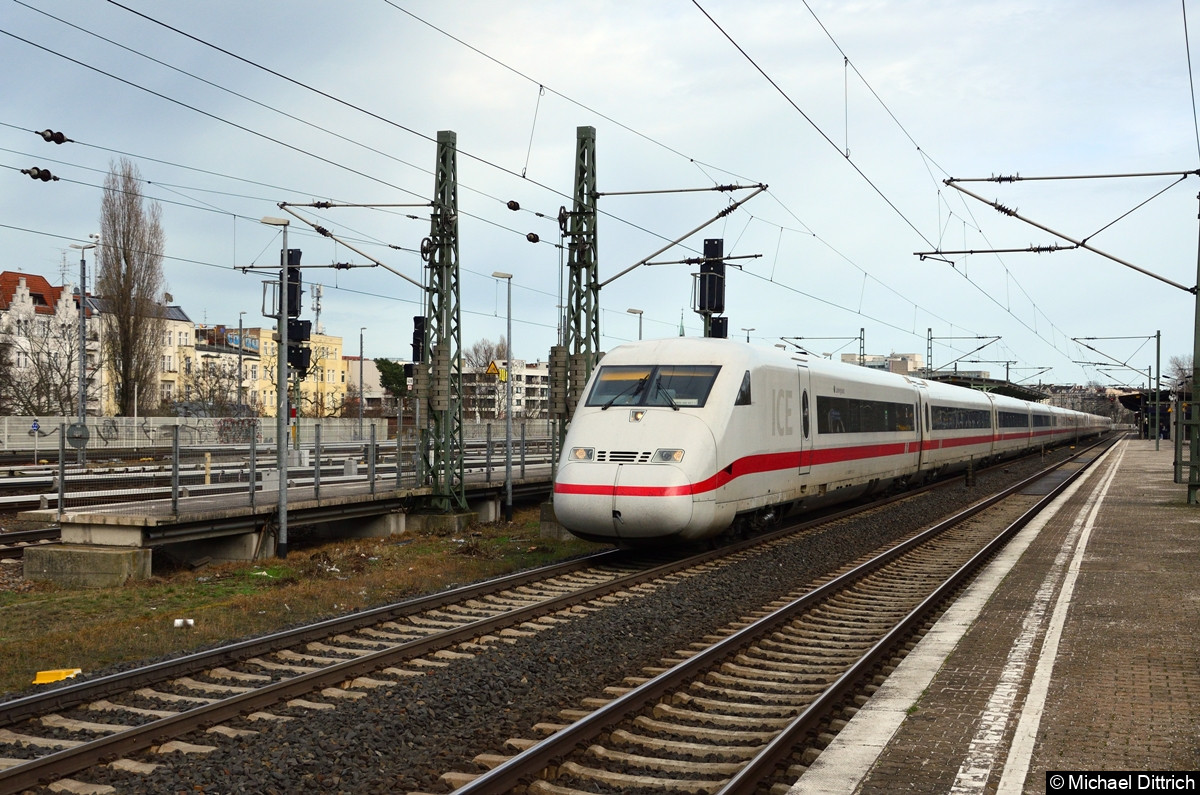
pixel 667 456
pixel 582 454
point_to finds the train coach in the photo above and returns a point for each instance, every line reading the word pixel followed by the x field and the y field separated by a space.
pixel 684 438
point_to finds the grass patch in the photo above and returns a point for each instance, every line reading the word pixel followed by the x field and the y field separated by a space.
pixel 52 627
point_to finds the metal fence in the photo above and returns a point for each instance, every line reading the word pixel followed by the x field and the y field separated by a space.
pixel 167 466
pixel 151 433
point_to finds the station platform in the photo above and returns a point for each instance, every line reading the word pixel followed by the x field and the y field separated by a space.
pixel 1075 650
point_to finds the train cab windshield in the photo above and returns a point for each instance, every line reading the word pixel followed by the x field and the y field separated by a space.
pixel 672 385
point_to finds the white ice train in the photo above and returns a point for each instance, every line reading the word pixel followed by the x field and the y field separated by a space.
pixel 677 439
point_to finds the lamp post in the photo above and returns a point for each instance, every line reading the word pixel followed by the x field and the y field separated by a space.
pixel 748 330
pixel 508 396
pixel 281 389
pixel 361 391
pixel 241 377
pixel 637 312
pixel 82 407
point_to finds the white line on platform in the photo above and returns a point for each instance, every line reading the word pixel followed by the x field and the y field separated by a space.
pixel 988 743
pixel 843 765
pixel 1020 755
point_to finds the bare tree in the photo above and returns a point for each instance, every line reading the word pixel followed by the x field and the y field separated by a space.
pixel 44 362
pixel 350 403
pixel 1179 369
pixel 41 352
pixel 485 351
pixel 131 283
pixel 212 387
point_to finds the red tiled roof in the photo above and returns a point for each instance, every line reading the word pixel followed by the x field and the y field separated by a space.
pixel 10 280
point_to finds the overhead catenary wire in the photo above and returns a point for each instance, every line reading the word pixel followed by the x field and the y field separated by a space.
pixel 830 141
pixel 781 228
pixel 810 121
pixel 378 117
pixel 1187 45
pixel 926 158
pixel 257 65
pixel 699 164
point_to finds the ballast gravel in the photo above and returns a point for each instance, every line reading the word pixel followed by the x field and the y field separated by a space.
pixel 403 737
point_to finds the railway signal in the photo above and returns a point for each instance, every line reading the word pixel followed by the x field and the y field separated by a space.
pixel 418 338
pixel 293 282
pixel 299 355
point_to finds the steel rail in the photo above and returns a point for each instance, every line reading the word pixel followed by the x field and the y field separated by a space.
pixel 68 696
pixel 62 763
pixel 516 770
pixel 68 761
pixel 783 746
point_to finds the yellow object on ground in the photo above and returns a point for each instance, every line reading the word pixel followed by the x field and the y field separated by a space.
pixel 45 677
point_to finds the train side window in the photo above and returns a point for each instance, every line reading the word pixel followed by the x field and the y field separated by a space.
pixel 858 415
pixel 743 396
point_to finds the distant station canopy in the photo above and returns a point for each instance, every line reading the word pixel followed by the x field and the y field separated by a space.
pixel 997 386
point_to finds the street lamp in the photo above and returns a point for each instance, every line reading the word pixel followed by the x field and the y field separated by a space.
pixel 83 337
pixel 507 414
pixel 361 392
pixel 637 312
pixel 748 330
pixel 282 402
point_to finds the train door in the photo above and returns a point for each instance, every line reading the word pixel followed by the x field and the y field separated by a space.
pixel 923 420
pixel 807 422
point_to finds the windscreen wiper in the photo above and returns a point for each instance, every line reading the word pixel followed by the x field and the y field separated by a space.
pixel 665 393
pixel 636 387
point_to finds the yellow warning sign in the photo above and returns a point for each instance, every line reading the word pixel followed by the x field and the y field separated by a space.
pixel 493 369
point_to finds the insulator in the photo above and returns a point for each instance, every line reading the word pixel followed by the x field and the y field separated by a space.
pixel 558 381
pixel 421 382
pixel 440 377
pixel 532 237
pixel 514 205
pixel 39 173
pixel 577 380
pixel 53 137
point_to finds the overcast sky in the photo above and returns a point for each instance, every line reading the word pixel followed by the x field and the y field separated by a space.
pixel 343 101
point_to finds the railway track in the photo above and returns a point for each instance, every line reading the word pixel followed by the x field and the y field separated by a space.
pixel 748 708
pixel 76 726
pixel 140 715
pixel 14 543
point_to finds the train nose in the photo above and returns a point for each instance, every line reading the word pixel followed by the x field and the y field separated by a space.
pixel 650 501
pixel 623 502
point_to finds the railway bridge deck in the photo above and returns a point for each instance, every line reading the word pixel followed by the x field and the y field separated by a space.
pixel 110 543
